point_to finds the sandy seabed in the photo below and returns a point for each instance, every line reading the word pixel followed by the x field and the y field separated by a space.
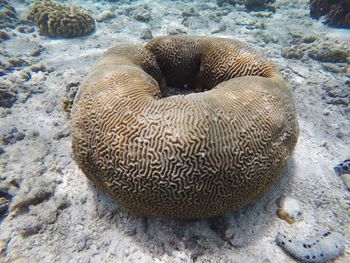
pixel 56 215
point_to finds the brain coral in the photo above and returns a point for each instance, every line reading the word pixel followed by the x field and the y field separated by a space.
pixel 58 20
pixel 184 156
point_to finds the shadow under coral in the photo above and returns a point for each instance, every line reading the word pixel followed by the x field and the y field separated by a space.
pixel 195 237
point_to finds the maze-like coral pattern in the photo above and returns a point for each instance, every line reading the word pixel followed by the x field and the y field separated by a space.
pixel 186 156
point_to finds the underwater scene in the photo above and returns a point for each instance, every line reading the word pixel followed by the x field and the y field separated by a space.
pixel 175 131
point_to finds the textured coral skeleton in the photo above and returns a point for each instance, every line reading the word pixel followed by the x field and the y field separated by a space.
pixel 186 156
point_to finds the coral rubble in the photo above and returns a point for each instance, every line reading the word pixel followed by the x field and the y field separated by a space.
pixel 336 12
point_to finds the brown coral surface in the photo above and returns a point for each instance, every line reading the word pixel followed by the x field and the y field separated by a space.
pixel 58 20
pixel 185 156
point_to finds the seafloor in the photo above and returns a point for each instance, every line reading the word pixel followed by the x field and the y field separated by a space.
pixel 51 213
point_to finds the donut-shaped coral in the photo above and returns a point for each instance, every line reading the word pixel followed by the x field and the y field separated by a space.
pixel 184 156
pixel 58 20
